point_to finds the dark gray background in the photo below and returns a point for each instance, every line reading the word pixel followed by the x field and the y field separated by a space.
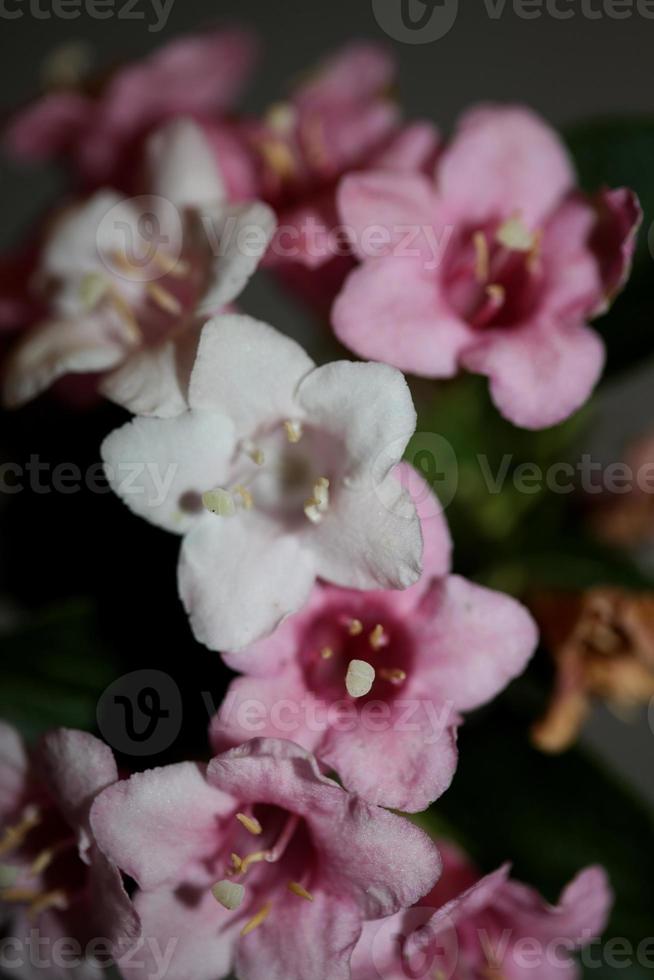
pixel 566 69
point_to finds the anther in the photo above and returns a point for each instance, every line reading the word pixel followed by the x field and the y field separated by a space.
pixel 296 888
pixel 294 430
pixel 229 894
pixel 482 258
pixel 515 235
pixel 251 824
pixel 394 675
pixel 316 507
pixel 378 638
pixel 164 299
pixel 245 496
pixel 359 678
pixel 256 920
pixel 355 627
pixel 326 653
pixel 256 455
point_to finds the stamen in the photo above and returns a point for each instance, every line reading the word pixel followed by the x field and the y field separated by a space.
pixel 482 256
pixel 355 627
pixel 496 293
pixel 22 895
pixel 281 116
pixel 393 674
pixel 93 287
pixel 256 455
pixel 125 312
pixel 229 894
pixel 326 653
pixel 278 157
pixel 170 266
pixel 164 299
pixel 257 919
pixel 14 836
pixel 47 856
pixel 219 501
pixel 316 507
pixel 251 824
pixel 245 496
pixel 378 638
pixel 359 678
pixel 50 900
pixel 294 430
pixel 237 862
pixel 515 235
pixel 274 853
pixel 297 889
pixel 256 858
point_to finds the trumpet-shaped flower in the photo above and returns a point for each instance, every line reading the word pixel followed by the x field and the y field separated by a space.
pixel 258 863
pixel 278 473
pixel 374 682
pixel 54 877
pixel 496 265
pixel 129 281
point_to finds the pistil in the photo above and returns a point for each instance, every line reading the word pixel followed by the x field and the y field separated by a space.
pixel 359 678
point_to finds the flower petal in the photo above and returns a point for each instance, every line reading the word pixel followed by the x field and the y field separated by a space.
pixel 239 236
pixel 503 160
pixel 240 577
pixel 540 374
pixel 370 539
pixel 75 766
pixel 189 929
pixel 158 825
pixel 472 640
pixel 161 467
pixel 59 347
pixel 183 169
pixel 154 380
pixel 13 771
pixel 403 761
pixel 113 911
pixel 247 370
pixel 391 309
pixel 302 940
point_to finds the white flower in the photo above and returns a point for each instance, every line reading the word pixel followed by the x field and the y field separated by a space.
pixel 129 282
pixel 278 473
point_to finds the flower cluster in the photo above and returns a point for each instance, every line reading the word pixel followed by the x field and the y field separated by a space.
pixel 311 557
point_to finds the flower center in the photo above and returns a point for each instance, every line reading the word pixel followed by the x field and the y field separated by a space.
pixel 253 873
pixel 494 276
pixel 287 473
pixel 360 657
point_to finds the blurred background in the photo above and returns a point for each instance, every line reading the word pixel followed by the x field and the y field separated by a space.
pixel 88 592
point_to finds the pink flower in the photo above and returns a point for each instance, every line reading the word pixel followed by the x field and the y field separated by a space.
pixel 491 927
pixel 440 647
pixel 342 118
pixel 278 473
pixel 258 863
pixel 54 877
pixel 198 75
pixel 127 283
pixel 495 267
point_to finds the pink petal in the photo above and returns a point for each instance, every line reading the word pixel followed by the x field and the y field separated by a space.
pixel 391 310
pixel 75 766
pixel 614 241
pixel 113 911
pixel 158 824
pixel 48 126
pixel 238 579
pixel 436 538
pixel 573 284
pixel 274 707
pixel 302 940
pixel 397 203
pixel 191 930
pixel 405 766
pixel 358 71
pixel 473 641
pixel 539 374
pixel 413 149
pixel 503 160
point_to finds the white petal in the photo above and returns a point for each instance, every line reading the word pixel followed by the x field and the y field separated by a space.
pixel 161 467
pixel 154 380
pixel 56 348
pixel 86 231
pixel 247 370
pixel 368 406
pixel 370 538
pixel 239 577
pixel 183 168
pixel 238 237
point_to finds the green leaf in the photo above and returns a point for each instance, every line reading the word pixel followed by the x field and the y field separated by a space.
pixel 55 670
pixel 551 817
